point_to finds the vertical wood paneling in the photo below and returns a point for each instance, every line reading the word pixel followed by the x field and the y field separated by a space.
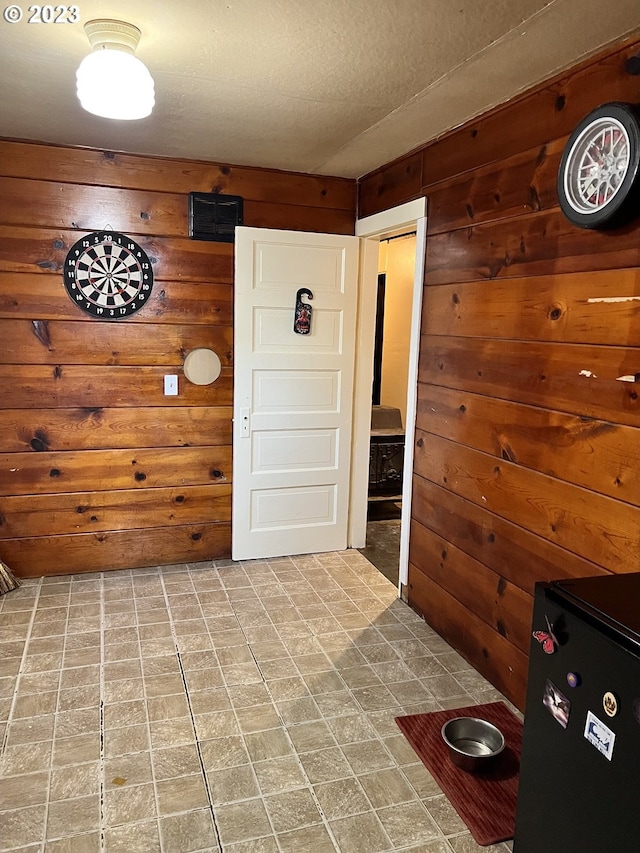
pixel 99 469
pixel 527 463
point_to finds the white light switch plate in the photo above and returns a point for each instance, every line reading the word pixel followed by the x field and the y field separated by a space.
pixel 170 386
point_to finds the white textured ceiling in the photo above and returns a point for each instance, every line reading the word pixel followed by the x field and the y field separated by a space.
pixel 323 86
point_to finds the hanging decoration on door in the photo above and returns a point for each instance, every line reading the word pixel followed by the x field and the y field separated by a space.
pixel 302 315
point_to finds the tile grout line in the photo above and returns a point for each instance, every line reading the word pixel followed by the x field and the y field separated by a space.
pixel 234 709
pixel 23 659
pixel 146 707
pixel 242 733
pixel 339 746
pixel 285 729
pixel 101 762
pixel 14 699
pixel 55 720
pixel 191 714
pixel 289 590
pixel 372 809
pixel 378 737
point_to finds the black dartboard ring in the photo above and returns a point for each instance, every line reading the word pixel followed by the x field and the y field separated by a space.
pixel 108 275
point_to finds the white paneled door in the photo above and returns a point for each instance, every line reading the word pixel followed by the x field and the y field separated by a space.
pixel 293 393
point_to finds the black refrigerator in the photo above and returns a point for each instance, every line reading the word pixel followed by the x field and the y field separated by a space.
pixel 579 788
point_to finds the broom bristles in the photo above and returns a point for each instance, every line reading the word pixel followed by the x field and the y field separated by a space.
pixel 8 580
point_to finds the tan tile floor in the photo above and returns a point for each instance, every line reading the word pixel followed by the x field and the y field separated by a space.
pixel 245 708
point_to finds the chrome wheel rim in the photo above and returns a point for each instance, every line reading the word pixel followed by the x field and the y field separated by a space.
pixel 597 165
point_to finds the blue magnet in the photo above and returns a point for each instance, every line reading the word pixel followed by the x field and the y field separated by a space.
pixel 573 679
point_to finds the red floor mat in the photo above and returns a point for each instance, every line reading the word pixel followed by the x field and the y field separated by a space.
pixel 485 801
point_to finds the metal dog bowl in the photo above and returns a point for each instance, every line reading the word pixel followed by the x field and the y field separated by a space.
pixel 472 742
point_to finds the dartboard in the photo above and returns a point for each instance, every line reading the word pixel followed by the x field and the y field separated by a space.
pixel 108 275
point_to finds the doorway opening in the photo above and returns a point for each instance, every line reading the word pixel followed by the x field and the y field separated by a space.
pixel 404 218
pixel 391 358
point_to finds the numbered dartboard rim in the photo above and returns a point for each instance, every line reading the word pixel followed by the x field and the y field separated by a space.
pixel 618 204
pixel 107 284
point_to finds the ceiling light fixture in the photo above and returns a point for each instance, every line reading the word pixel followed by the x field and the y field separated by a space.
pixel 112 81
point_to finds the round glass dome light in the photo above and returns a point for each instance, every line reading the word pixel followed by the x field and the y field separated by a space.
pixel 111 81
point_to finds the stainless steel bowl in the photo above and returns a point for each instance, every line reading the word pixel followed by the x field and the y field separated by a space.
pixel 472 742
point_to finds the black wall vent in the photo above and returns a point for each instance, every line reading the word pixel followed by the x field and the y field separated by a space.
pixel 213 216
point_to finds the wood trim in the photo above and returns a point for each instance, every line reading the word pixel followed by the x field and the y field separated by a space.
pixel 26 386
pixel 594 454
pixel 542 243
pixel 117 549
pixel 502 605
pixel 52 472
pixel 593 526
pixel 125 509
pixel 593 307
pixel 28 295
pixel 579 380
pixel 512 551
pixel 43 251
pixel 164 174
pixel 119 343
pixel 502 662
pixel 92 208
pixel 94 428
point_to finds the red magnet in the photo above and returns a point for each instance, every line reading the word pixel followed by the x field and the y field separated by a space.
pixel 547 639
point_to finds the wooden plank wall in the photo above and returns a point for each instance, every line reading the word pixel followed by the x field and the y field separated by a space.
pixel 527 456
pixel 98 469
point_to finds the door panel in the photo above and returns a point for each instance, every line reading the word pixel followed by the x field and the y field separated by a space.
pixel 296 391
pixel 319 269
pixel 272 331
pixel 293 393
pixel 293 508
pixel 296 450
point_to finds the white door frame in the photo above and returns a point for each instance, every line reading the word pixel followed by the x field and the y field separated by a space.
pixel 372 229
